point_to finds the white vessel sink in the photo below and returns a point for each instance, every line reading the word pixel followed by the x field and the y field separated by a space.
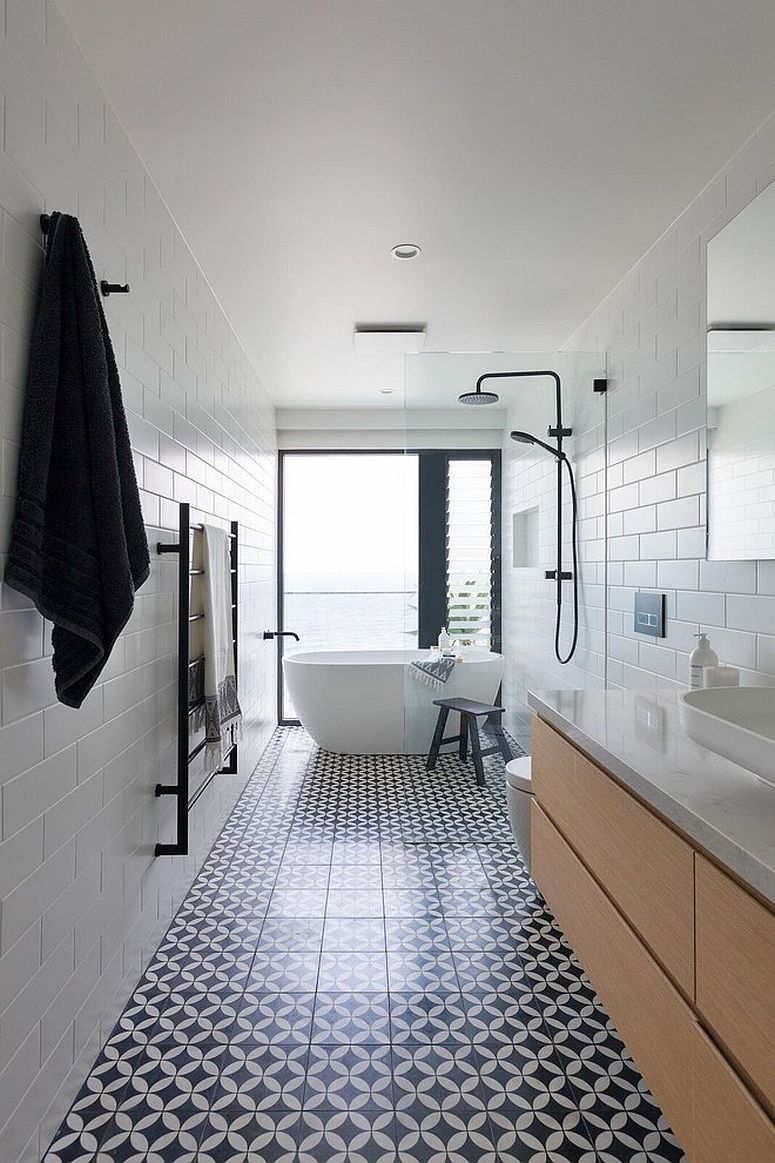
pixel 736 722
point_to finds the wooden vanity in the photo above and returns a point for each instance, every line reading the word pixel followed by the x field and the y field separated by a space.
pixel 681 951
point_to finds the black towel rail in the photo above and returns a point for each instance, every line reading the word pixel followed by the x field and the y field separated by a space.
pixel 186 705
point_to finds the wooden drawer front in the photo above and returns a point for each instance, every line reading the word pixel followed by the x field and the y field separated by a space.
pixel 642 864
pixel 736 974
pixel 653 1019
pixel 728 1123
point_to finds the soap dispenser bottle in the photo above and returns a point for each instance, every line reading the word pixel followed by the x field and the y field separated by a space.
pixel 445 642
pixel 703 655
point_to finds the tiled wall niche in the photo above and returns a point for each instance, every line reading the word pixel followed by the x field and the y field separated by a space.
pixel 652 330
pixel 83 901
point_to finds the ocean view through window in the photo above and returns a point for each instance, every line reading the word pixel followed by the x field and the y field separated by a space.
pixel 379 550
pixel 350 546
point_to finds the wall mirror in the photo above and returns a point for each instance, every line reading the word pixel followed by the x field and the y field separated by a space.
pixel 741 384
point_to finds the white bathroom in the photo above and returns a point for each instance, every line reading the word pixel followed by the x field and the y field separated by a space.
pixel 387 627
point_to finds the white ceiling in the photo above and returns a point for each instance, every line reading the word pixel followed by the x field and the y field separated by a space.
pixel 533 148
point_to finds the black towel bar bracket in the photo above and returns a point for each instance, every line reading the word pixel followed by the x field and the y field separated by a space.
pixel 180 790
pixel 105 287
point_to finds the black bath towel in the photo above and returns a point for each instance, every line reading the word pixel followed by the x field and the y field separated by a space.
pixel 78 546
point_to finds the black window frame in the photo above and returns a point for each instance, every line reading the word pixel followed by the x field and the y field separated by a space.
pixel 432 597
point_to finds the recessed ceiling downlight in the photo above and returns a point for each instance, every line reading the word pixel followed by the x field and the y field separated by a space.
pixel 406 250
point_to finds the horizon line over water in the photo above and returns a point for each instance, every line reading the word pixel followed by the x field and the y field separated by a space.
pixel 364 582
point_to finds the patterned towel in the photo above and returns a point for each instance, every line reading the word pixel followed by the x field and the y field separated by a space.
pixel 432 672
pixel 223 716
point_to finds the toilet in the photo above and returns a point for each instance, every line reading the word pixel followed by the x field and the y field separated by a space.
pixel 519 794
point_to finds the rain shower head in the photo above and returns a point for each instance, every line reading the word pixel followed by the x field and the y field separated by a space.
pixel 529 438
pixel 478 398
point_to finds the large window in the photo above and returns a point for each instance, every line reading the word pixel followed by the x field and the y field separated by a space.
pixel 349 551
pixel 379 550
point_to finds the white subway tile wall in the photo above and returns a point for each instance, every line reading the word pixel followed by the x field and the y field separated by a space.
pixel 83 901
pixel 651 329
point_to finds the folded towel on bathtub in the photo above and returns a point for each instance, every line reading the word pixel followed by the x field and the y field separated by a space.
pixel 434 671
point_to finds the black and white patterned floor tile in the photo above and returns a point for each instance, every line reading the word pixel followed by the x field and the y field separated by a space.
pixel 363 972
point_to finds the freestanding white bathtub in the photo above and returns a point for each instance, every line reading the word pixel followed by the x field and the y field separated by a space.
pixel 368 702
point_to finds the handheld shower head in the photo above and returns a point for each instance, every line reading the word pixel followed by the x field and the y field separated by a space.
pixel 479 398
pixel 528 438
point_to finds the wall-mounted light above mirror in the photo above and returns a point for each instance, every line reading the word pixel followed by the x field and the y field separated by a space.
pixel 741 384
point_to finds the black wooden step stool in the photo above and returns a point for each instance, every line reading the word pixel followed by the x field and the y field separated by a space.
pixel 469 712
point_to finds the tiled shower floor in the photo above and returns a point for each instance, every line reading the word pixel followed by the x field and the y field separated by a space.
pixel 363 971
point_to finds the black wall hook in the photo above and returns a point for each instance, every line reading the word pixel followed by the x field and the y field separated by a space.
pixel 113 288
pixel 105 287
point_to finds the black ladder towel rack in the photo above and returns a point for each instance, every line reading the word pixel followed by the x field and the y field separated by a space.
pixel 187 705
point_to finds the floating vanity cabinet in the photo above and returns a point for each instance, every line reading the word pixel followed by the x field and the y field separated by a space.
pixel 649 1013
pixel 736 973
pixel 644 866
pixel 682 954
pixel 729 1125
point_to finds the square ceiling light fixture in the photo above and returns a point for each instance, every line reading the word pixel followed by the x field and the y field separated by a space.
pixel 388 338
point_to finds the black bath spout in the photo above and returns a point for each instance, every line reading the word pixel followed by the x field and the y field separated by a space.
pixel 281 634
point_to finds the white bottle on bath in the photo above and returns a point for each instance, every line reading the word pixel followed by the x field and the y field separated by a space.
pixel 703 655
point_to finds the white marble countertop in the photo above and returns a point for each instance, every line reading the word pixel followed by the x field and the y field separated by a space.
pixel 638 737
